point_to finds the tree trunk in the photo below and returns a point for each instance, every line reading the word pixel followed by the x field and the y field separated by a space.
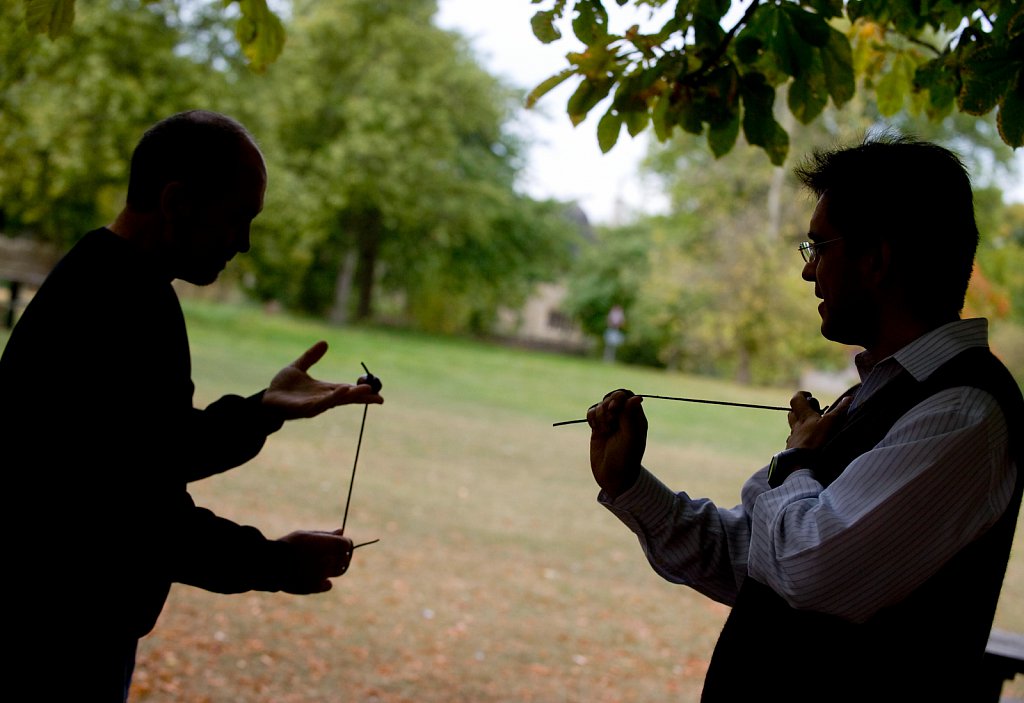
pixel 338 314
pixel 775 188
pixel 368 235
pixel 743 373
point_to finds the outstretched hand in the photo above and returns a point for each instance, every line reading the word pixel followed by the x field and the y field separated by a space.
pixel 295 394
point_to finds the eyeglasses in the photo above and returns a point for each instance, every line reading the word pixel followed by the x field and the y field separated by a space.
pixel 810 250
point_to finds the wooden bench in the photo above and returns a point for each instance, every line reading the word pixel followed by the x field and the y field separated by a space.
pixel 23 262
pixel 1004 659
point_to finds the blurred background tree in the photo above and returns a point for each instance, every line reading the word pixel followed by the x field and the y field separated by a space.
pixel 71 111
pixel 714 284
pixel 403 173
pixel 392 171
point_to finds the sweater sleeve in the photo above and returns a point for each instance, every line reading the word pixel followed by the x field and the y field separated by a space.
pixel 226 434
pixel 216 554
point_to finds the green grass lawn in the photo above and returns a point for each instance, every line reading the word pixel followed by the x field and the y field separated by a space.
pixel 497 577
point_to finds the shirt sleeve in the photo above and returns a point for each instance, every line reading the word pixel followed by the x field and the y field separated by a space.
pixel 940 477
pixel 688 540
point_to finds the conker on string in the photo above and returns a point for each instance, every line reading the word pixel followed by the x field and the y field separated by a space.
pixel 370 380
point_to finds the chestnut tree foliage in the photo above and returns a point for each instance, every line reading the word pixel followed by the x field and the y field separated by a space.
pixel 715 67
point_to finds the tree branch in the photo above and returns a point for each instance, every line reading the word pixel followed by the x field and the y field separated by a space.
pixel 719 52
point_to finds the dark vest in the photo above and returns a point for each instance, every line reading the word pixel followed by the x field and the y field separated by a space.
pixel 928 647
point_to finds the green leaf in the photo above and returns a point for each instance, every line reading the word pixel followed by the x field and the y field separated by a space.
pixel 854 9
pixel 1015 24
pixel 587 95
pixel 808 94
pixel 986 75
pixel 748 48
pixel 547 85
pixel 759 125
pixel 939 79
pixel 684 112
pixel 633 90
pixel 707 34
pixel 1010 118
pixel 608 129
pixel 906 15
pixel 543 25
pixel 837 61
pixel 659 114
pixel 713 9
pixel 895 85
pixel 827 8
pixel 598 59
pixel 781 52
pixel 717 99
pixel 51 17
pixel 590 22
pixel 636 121
pixel 260 33
pixel 811 27
pixel 722 137
pixel 688 118
pixel 684 9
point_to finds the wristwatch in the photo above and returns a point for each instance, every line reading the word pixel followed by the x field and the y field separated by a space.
pixel 786 462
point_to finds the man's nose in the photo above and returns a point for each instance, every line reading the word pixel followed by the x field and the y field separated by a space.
pixel 807 273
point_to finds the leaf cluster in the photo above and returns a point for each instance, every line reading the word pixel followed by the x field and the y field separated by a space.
pixel 698 74
pixel 695 74
pixel 258 29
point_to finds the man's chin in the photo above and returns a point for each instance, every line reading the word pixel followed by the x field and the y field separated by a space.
pixel 200 278
pixel 839 335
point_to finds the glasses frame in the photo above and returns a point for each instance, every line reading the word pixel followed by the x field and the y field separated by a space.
pixel 809 250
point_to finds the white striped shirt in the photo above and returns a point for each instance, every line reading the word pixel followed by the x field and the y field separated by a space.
pixel 938 479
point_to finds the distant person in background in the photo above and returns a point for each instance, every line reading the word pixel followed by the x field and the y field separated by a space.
pixel 613 334
pixel 100 437
pixel 865 561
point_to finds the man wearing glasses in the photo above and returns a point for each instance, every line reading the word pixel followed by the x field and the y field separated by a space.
pixel 865 560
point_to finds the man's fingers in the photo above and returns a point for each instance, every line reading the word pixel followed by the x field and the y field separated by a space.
pixel 802 401
pixel 841 407
pixel 311 356
pixel 618 390
pixel 343 555
pixel 636 412
pixel 605 417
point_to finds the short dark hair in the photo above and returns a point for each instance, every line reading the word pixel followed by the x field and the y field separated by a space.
pixel 197 147
pixel 914 194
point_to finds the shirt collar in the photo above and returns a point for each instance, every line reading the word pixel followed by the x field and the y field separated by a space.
pixel 922 357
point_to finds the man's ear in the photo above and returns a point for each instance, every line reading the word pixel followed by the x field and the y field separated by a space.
pixel 876 263
pixel 175 201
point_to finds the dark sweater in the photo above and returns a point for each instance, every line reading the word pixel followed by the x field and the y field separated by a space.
pixel 99 440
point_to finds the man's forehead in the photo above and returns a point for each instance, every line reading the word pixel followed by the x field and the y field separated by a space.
pixel 822 225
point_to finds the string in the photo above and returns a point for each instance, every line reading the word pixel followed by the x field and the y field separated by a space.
pixel 691 400
pixel 355 462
